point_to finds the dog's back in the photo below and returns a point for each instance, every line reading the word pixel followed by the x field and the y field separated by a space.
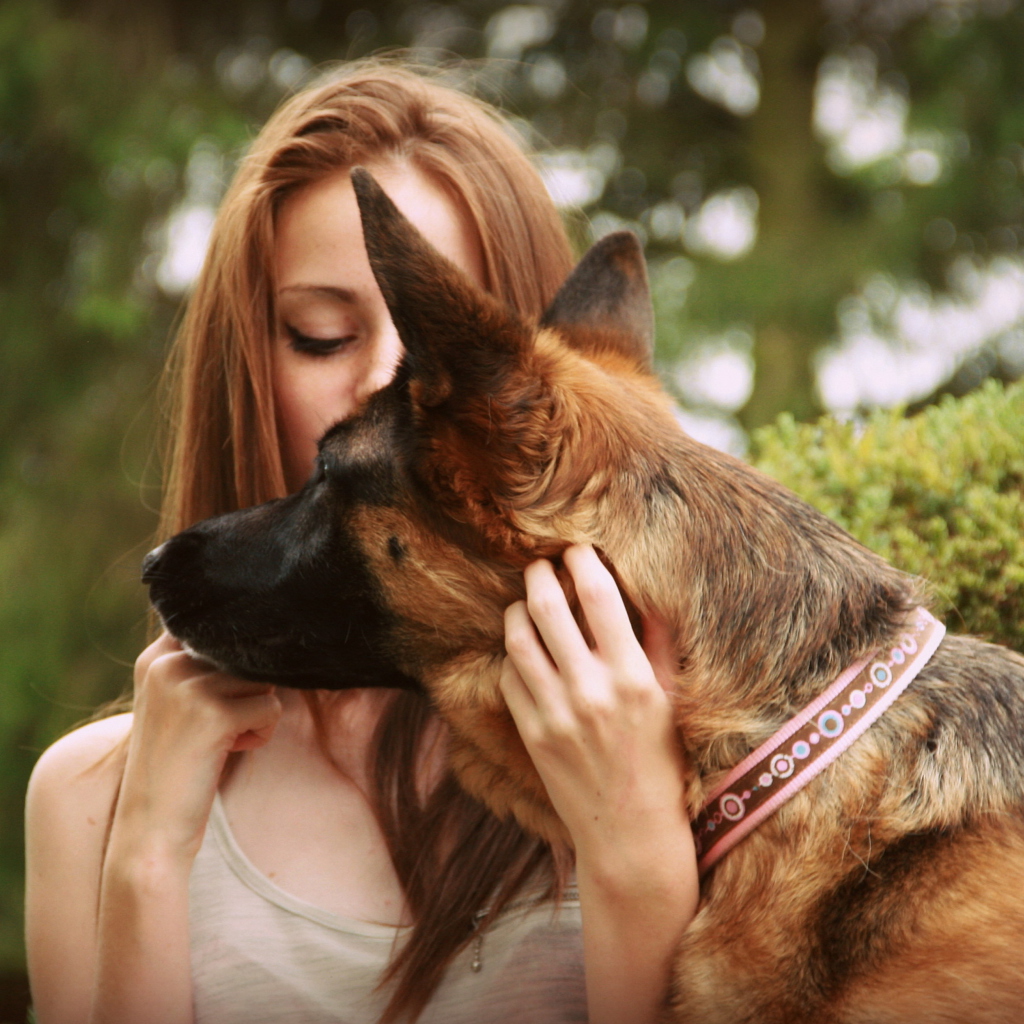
pixel 892 888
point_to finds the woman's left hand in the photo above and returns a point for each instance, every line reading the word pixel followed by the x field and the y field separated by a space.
pixel 596 721
pixel 598 724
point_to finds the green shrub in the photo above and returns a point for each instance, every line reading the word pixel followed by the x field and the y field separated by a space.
pixel 939 494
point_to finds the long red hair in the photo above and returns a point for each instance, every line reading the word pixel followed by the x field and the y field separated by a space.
pixel 452 856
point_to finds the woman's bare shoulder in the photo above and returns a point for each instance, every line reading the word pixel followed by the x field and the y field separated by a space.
pixel 70 803
pixel 82 769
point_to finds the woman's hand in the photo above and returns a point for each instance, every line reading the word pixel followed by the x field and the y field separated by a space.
pixel 598 724
pixel 188 718
pixel 596 721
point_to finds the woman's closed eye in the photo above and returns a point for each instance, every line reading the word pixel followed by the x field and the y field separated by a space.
pixel 308 345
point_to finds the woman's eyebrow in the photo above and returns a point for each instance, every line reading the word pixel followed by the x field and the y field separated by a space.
pixel 341 294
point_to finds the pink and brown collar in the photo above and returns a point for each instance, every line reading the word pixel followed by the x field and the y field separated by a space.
pixel 812 740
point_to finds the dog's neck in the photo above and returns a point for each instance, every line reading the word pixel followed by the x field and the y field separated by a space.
pixel 773 601
pixel 813 739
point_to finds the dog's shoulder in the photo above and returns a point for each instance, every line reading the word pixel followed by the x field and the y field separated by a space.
pixel 964 715
pixel 973 664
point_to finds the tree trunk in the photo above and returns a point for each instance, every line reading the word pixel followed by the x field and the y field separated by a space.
pixel 786 173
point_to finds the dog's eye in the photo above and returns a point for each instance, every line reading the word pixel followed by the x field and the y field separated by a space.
pixel 319 471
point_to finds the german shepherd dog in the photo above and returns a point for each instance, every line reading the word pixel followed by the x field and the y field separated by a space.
pixel 889 889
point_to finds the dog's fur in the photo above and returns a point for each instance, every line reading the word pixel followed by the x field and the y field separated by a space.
pixel 891 889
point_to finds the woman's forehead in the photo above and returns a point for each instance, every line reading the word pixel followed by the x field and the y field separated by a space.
pixel 318 231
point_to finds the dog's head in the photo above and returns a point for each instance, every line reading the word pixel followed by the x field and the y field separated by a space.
pixel 496 443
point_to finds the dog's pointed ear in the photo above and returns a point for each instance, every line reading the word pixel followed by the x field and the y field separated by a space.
pixel 605 303
pixel 456 336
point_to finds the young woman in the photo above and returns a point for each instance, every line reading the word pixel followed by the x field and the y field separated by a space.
pixel 232 852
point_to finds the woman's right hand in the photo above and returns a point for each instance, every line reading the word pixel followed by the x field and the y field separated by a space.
pixel 188 717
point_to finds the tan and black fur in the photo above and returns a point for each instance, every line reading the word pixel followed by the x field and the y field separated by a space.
pixel 890 889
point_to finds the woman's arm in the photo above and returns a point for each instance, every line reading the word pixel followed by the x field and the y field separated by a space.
pixel 70 798
pixel 599 727
pixel 108 931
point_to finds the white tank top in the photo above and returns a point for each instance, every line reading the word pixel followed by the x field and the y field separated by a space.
pixel 262 956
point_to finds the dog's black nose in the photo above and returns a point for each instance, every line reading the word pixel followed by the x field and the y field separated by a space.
pixel 150 563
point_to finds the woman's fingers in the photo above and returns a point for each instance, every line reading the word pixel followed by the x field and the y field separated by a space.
pixel 534 670
pixel 231 712
pixel 520 700
pixel 550 612
pixel 604 610
pixel 600 600
pixel 163 645
pixel 189 717
pixel 661 651
pixel 243 713
pixel 257 716
pixel 596 722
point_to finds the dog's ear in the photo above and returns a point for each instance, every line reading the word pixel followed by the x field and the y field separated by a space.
pixel 457 337
pixel 492 399
pixel 605 303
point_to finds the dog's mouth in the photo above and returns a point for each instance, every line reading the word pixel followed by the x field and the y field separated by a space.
pixel 242 663
pixel 241 593
pixel 279 661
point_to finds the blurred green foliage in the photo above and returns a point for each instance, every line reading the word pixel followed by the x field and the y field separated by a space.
pixel 939 494
pixel 82 338
pixel 117 116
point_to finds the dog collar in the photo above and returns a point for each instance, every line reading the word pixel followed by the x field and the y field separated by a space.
pixel 810 742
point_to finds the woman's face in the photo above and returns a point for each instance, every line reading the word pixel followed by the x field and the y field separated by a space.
pixel 334 342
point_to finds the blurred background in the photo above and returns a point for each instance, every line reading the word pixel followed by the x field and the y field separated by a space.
pixel 831 193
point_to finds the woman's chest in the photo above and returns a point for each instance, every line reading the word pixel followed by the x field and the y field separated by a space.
pixel 310 831
pixel 261 956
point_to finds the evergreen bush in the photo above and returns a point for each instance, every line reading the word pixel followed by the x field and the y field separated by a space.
pixel 939 494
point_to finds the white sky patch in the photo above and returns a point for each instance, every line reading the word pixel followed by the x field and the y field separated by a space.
pixel 922 166
pixel 721 432
pixel 548 77
pixel 864 121
pixel 604 222
pixel 671 278
pixel 653 88
pixel 861 119
pixel 630 28
pixel 898 345
pixel 577 177
pixel 605 156
pixel 241 69
pixel 288 68
pixel 748 27
pixel 516 28
pixel 667 220
pixel 727 75
pixel 570 177
pixel 718 371
pixel 627 26
pixel 725 226
pixel 186 232
pixel 717 376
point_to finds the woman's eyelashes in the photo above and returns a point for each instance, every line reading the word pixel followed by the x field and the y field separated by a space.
pixel 308 345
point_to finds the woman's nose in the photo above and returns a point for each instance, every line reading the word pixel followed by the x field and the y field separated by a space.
pixel 384 359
